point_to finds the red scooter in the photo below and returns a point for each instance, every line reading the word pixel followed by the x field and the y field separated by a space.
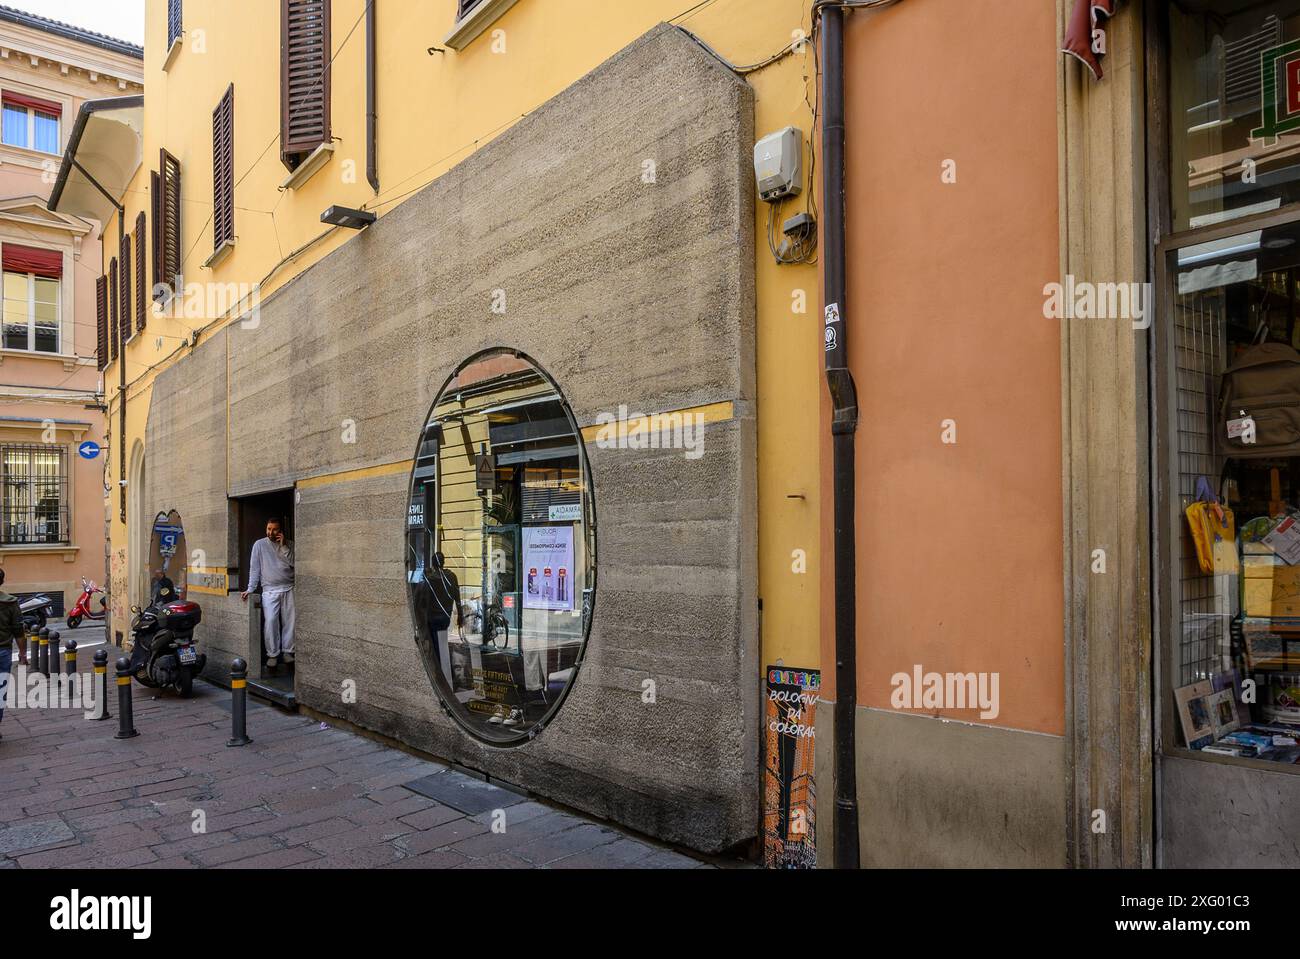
pixel 83 610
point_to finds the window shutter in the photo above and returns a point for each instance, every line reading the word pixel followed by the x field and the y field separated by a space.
pixel 173 21
pixel 169 172
pixel 223 170
pixel 304 78
pixel 155 213
pixel 465 6
pixel 112 307
pixel 124 287
pixel 101 321
pixel 139 272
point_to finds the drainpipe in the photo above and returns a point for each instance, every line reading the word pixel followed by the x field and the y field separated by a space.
pixel 844 423
pixel 372 163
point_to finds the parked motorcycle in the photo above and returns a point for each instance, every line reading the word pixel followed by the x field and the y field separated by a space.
pixel 164 651
pixel 85 605
pixel 35 611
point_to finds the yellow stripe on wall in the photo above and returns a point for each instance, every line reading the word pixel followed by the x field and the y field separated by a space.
pixel 711 413
pixel 351 476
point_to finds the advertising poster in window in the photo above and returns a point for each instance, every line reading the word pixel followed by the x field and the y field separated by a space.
pixel 789 793
pixel 548 567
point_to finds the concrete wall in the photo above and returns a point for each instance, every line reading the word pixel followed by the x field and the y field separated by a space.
pixel 622 291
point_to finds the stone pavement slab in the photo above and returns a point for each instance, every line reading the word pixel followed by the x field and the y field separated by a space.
pixel 302 795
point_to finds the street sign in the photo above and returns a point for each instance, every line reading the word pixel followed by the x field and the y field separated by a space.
pixel 88 450
pixel 485 471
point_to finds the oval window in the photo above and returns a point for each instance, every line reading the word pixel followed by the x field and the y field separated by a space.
pixel 500 556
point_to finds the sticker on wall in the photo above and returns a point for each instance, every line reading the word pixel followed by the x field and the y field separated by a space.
pixel 789 788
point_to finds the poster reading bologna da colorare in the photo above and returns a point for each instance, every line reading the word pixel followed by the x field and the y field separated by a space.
pixel 789 793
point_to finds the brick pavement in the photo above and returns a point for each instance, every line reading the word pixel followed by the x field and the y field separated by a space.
pixel 301 796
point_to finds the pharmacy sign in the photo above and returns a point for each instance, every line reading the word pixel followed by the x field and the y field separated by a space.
pixel 1280 82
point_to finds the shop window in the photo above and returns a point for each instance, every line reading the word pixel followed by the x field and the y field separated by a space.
pixel 35 495
pixel 1235 110
pixel 1230 462
pixel 500 556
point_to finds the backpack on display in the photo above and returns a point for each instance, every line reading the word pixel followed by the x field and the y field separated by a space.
pixel 1259 403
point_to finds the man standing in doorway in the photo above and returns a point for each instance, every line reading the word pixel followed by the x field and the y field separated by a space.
pixel 271 567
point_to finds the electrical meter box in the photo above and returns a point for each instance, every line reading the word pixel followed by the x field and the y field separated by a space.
pixel 778 164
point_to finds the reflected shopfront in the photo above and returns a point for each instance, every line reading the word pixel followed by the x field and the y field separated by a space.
pixel 167 555
pixel 501 548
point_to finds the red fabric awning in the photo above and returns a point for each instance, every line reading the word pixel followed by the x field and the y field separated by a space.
pixel 29 259
pixel 34 103
pixel 1084 21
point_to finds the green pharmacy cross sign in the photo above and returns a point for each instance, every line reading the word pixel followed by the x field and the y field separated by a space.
pixel 1280 72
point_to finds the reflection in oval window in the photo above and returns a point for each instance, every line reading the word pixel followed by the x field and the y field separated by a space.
pixel 501 547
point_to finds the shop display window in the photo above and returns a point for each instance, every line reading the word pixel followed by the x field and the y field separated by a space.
pixel 1231 460
pixel 500 557
pixel 1234 120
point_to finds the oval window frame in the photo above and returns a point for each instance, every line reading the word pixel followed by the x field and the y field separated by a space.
pixel 441 689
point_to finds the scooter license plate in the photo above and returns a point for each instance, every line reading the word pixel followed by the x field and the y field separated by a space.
pixel 188 655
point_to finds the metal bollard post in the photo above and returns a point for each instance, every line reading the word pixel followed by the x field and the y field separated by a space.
pixel 101 680
pixel 43 652
pixel 70 658
pixel 239 704
pixel 125 725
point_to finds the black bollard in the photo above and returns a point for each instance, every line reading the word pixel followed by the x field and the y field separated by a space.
pixel 70 658
pixel 125 725
pixel 43 654
pixel 101 680
pixel 239 704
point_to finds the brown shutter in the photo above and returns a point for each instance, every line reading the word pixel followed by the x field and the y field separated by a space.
pixel 112 307
pixel 169 172
pixel 124 287
pixel 140 297
pixel 155 212
pixel 304 78
pixel 223 170
pixel 101 321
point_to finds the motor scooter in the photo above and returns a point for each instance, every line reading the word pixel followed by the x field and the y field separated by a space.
pixel 85 608
pixel 164 652
pixel 35 610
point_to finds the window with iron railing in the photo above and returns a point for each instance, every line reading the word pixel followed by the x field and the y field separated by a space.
pixel 34 510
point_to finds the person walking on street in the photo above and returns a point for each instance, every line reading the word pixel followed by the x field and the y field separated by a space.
pixel 271 568
pixel 11 628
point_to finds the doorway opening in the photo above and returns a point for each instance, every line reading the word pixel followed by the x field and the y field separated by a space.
pixel 250 517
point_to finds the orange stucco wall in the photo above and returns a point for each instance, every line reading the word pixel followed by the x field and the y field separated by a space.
pixel 959 546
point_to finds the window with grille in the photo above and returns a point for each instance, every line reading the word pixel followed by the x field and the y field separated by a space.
pixel 173 21
pixel 35 498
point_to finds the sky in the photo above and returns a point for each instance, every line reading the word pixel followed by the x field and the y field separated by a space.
pixel 123 19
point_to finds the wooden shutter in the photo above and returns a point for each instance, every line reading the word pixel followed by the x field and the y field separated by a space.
pixel 112 307
pixel 465 6
pixel 124 287
pixel 173 21
pixel 140 296
pixel 304 78
pixel 101 321
pixel 223 170
pixel 169 173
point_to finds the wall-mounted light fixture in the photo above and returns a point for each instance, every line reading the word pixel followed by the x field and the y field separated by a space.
pixel 348 217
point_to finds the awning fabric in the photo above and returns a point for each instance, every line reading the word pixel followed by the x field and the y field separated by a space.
pixel 12 99
pixel 29 259
pixel 1084 21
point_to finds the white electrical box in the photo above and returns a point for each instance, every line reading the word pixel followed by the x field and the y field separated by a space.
pixel 778 164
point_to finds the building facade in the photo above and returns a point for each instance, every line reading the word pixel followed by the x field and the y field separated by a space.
pixel 543 360
pixel 1056 279
pixel 52 515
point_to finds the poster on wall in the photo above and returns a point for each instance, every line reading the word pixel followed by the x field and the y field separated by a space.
pixel 548 567
pixel 789 793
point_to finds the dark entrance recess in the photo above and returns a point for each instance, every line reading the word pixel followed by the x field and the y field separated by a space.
pixel 251 515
